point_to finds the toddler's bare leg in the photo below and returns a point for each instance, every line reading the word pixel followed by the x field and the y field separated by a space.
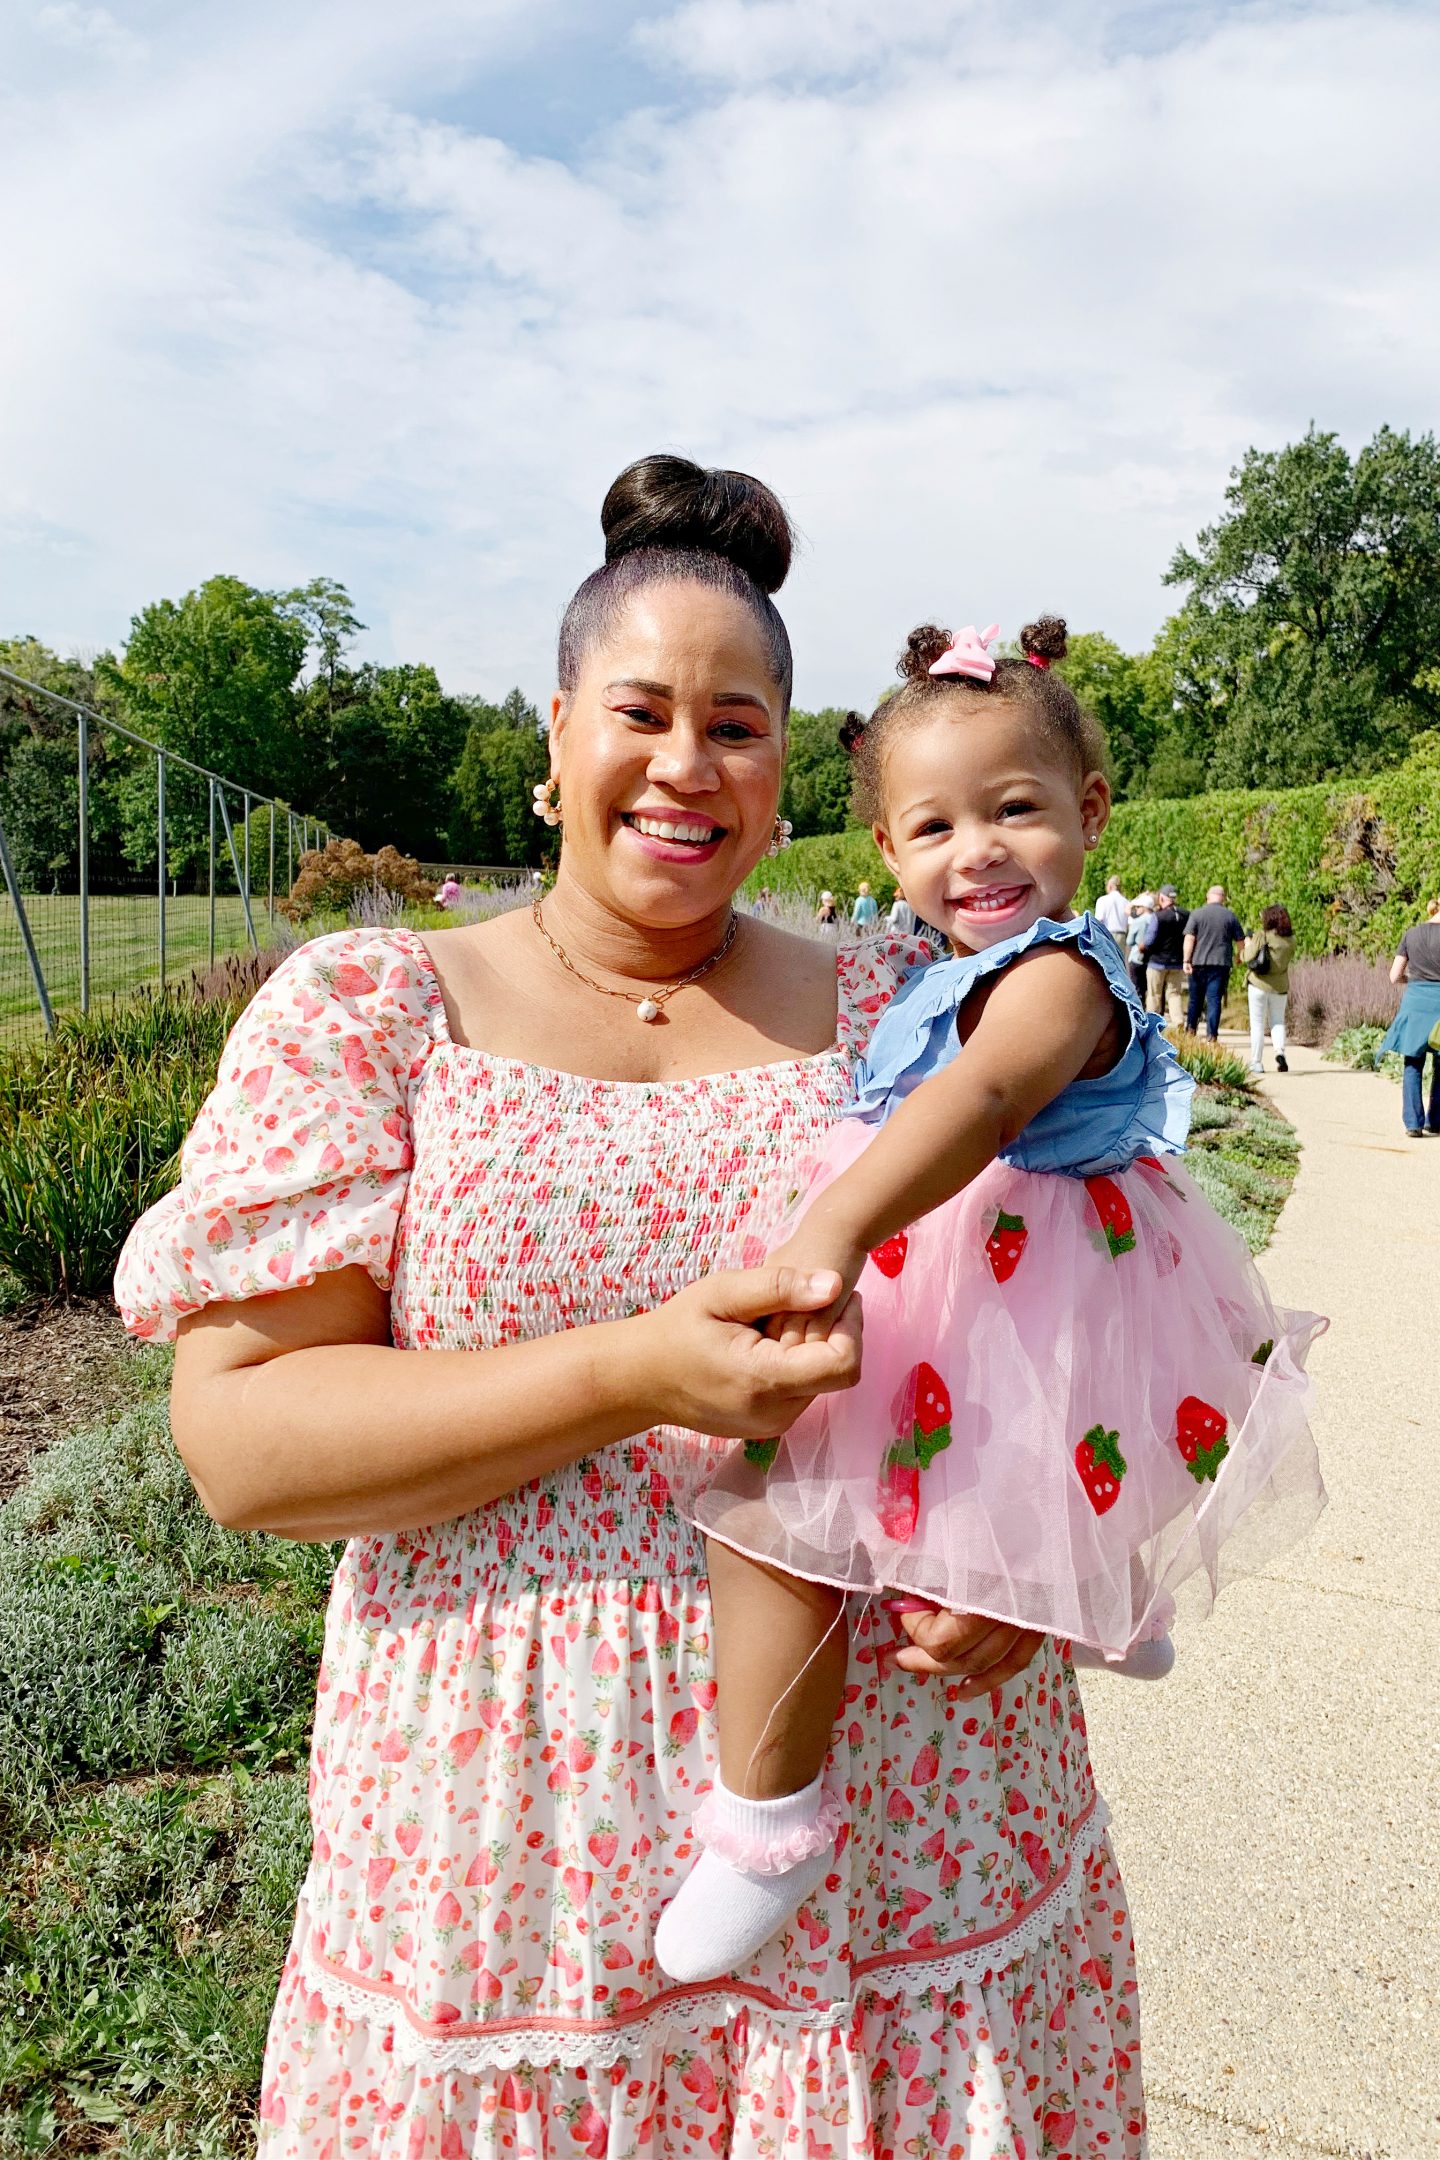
pixel 780 1655
pixel 767 1832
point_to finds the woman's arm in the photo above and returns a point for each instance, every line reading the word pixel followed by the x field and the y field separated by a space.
pixel 1399 968
pixel 1042 1023
pixel 295 1413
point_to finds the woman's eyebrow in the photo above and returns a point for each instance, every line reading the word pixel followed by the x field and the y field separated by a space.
pixel 665 690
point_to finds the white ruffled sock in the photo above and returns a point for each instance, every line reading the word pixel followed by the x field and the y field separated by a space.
pixel 724 1912
pixel 1153 1659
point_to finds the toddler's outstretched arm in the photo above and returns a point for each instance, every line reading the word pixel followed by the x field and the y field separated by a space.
pixel 1028 1034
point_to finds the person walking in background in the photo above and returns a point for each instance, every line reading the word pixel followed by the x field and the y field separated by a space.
pixel 1211 935
pixel 1113 909
pixel 866 911
pixel 1415 1030
pixel 1267 956
pixel 1162 941
pixel 449 892
pixel 901 919
pixel 827 912
pixel 1141 908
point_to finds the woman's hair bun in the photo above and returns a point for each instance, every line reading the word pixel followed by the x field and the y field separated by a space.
pixel 1045 638
pixel 852 727
pixel 668 502
pixel 923 648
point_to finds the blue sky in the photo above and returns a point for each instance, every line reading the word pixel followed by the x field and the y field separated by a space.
pixel 995 296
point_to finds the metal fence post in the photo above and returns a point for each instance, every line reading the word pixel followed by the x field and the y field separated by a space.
pixel 245 796
pixel 160 851
pixel 12 886
pixel 235 866
pixel 272 860
pixel 290 847
pixel 84 864
pixel 212 873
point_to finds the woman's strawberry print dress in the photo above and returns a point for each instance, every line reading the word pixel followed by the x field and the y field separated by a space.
pixel 1078 1404
pixel 515 1716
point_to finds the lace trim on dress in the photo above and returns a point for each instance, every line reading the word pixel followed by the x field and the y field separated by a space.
pixel 691 2014
pixel 768 1856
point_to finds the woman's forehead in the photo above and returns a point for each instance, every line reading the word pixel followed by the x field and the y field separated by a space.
pixel 678 634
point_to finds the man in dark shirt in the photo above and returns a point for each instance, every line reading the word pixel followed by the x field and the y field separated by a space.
pixel 1160 946
pixel 1211 936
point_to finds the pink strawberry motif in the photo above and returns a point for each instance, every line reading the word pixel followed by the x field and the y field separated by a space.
pixel 1101 1466
pixel 407 1836
pixel 377 1874
pixel 351 980
pixel 461 1745
pixel 615 1957
pixel 1037 1855
pixel 890 1257
pixel 1113 1209
pixel 447 1911
pixel 277 1159
pixel 605 1664
pixel 932 1413
pixel 254 1085
pixel 1200 1435
pixel 682 1730
pixel 1005 1246
pixel 927 1762
pixel 1058 2125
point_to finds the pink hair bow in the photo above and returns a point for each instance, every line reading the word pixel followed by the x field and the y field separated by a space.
pixel 967 656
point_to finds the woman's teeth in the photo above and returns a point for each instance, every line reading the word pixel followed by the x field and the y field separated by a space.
pixel 663 829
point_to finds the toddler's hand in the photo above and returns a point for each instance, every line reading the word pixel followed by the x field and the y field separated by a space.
pixel 813 1254
pixel 982 1654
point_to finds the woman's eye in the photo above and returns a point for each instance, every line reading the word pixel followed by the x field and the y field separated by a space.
pixel 641 712
pixel 733 731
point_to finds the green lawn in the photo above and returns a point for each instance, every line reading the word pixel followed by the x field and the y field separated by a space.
pixel 123 942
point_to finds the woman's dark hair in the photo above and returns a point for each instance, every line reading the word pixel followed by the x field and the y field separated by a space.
pixel 1277 919
pixel 665 519
pixel 1028 683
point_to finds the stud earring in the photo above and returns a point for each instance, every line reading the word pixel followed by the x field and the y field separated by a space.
pixel 781 835
pixel 543 803
pixel 1092 839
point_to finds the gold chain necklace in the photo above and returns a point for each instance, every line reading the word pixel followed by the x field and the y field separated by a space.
pixel 651 1004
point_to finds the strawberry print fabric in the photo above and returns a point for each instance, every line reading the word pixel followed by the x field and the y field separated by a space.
pixel 514 1720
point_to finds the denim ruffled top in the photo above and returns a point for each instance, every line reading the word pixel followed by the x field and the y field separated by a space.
pixel 1093 1127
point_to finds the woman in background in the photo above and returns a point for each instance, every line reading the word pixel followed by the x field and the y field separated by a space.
pixel 1266 957
pixel 1415 1030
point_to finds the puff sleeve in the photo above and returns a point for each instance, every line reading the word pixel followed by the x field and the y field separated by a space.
pixel 299 1160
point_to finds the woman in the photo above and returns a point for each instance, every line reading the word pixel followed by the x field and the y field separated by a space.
pixel 826 912
pixel 1415 1030
pixel 1267 987
pixel 513 1212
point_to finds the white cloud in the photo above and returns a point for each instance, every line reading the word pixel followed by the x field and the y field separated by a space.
pixel 87 29
pixel 996 313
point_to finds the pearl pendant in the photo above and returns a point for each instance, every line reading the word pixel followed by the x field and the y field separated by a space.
pixel 647 1009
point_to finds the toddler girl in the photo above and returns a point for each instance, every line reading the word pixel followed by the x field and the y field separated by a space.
pixel 1075 1390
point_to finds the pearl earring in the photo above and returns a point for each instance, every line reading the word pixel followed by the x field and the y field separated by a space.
pixel 781 835
pixel 542 803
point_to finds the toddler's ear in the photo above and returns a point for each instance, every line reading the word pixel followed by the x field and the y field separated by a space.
pixel 1095 803
pixel 882 840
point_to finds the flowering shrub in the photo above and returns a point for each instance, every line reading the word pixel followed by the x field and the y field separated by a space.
pixel 330 878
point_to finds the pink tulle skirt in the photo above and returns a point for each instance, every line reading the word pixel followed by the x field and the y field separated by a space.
pixel 1078 1410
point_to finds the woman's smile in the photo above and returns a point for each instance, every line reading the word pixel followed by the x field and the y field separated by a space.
pixel 674 835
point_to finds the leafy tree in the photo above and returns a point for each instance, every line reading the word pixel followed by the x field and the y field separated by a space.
pixel 1117 688
pixel 504 755
pixel 383 742
pixel 1313 611
pixel 816 794
pixel 326 613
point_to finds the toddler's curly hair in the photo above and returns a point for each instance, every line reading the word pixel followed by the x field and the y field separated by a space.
pixel 1034 688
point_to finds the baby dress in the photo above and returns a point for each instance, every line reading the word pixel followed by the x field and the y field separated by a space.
pixel 1077 1397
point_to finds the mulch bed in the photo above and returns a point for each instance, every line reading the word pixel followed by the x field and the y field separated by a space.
pixel 61 1366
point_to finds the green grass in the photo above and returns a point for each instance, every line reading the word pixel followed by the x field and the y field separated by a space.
pixel 157 1678
pixel 123 956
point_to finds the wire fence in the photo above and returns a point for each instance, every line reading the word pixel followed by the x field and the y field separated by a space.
pixel 126 867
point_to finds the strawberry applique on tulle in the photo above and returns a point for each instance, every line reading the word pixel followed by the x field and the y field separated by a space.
pixel 922 1422
pixel 1101 1466
pixel 1202 1436
pixel 1113 1209
pixel 1005 1246
pixel 890 1257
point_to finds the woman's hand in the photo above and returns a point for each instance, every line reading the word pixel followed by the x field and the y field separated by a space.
pixel 709 1366
pixel 982 1654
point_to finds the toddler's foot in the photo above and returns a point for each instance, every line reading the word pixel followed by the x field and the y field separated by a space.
pixel 1151 1660
pixel 761 1861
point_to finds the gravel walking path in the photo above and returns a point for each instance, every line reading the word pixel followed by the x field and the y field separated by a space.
pixel 1277 1801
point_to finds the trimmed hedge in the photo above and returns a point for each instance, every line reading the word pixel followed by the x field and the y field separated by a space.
pixel 1354 861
